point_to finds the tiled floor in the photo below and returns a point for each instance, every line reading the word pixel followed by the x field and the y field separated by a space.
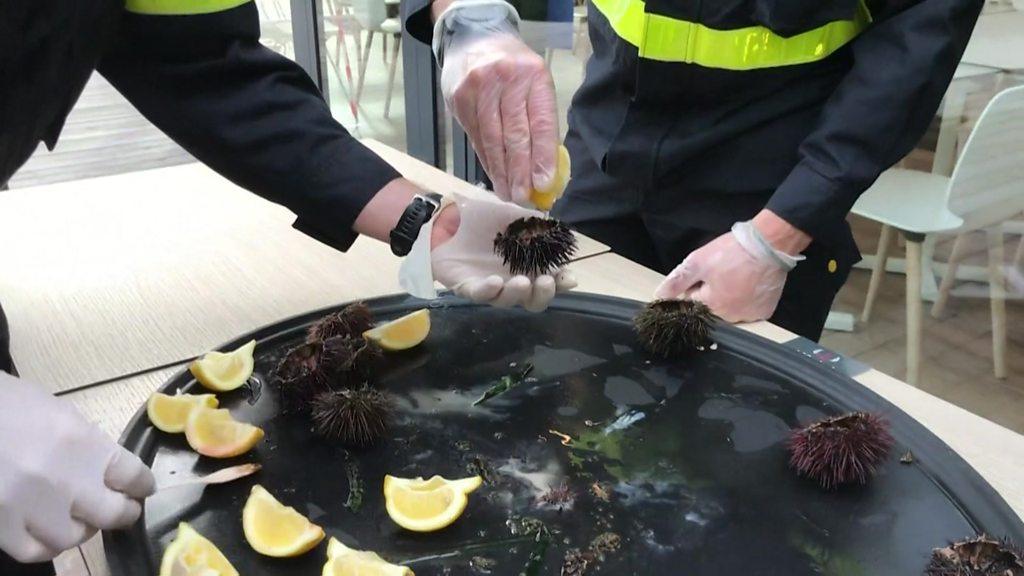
pixel 957 348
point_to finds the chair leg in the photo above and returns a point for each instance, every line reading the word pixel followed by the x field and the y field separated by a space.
pixel 1018 256
pixel 384 48
pixel 949 278
pixel 350 92
pixel 877 271
pixel 391 75
pixel 549 55
pixel 363 64
pixel 997 295
pixel 914 311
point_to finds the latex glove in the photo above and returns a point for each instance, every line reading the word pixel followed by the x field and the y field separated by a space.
pixel 502 94
pixel 61 478
pixel 738 275
pixel 466 263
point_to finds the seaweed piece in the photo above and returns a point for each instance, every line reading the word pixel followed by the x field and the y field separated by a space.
pixel 668 328
pixel 535 562
pixel 979 556
pixel 506 383
pixel 840 450
pixel 356 417
pixel 350 321
pixel 534 246
pixel 355 487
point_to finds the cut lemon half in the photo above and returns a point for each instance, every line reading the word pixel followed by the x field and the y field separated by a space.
pixel 170 413
pixel 216 434
pixel 273 529
pixel 402 333
pixel 344 561
pixel 427 505
pixel 224 371
pixel 545 198
pixel 190 554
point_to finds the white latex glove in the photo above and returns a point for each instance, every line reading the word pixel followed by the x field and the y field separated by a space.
pixel 502 94
pixel 738 275
pixel 467 264
pixel 61 478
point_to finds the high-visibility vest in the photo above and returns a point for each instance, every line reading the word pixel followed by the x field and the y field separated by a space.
pixel 181 7
pixel 669 39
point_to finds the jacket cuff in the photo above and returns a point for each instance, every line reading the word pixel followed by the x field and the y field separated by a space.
pixel 329 215
pixel 813 203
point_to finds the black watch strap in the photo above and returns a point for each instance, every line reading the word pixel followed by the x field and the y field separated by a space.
pixel 418 213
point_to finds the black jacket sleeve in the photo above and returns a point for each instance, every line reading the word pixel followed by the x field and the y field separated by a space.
pixel 903 64
pixel 418 23
pixel 250 114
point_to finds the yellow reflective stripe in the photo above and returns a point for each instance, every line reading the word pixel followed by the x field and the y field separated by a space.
pixel 670 40
pixel 180 7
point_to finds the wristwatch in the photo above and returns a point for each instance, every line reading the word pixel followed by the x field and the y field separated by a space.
pixel 417 213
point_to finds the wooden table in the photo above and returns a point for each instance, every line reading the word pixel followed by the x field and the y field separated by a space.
pixel 998 42
pixel 141 271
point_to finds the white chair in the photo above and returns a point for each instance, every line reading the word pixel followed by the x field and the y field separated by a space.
pixel 985 189
pixel 372 16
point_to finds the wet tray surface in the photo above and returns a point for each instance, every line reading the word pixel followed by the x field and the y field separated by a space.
pixel 683 461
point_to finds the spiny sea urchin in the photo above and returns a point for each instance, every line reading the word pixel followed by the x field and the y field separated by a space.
pixel 668 328
pixel 841 449
pixel 347 361
pixel 299 376
pixel 534 246
pixel 355 417
pixel 350 321
pixel 980 556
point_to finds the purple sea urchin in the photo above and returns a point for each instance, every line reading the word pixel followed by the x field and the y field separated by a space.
pixel 299 376
pixel 351 321
pixel 355 417
pixel 668 328
pixel 840 450
pixel 980 556
pixel 535 246
pixel 347 361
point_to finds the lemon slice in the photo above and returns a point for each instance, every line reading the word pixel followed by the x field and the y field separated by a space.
pixel 190 554
pixel 545 198
pixel 224 371
pixel 170 413
pixel 216 434
pixel 344 561
pixel 402 333
pixel 427 505
pixel 273 529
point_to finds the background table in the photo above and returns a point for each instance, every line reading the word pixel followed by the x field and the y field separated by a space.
pixel 998 42
pixel 136 273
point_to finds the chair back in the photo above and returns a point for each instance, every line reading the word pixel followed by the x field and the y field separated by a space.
pixel 987 185
pixel 370 13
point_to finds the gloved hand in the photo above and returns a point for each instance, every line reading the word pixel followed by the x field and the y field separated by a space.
pixel 738 275
pixel 61 478
pixel 465 261
pixel 502 94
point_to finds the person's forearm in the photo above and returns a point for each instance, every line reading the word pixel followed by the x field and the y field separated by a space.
pixel 781 234
pixel 381 213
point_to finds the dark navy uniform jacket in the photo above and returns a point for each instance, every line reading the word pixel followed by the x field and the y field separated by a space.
pixel 810 137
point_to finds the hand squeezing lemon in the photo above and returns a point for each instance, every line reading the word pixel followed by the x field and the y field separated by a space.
pixel 544 198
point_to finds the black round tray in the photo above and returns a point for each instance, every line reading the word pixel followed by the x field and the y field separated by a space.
pixel 691 453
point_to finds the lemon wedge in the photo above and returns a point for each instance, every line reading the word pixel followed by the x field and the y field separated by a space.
pixel 273 529
pixel 190 554
pixel 402 333
pixel 427 505
pixel 224 371
pixel 344 561
pixel 170 413
pixel 216 434
pixel 545 198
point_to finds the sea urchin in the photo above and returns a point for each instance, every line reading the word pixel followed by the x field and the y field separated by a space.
pixel 980 556
pixel 347 361
pixel 299 376
pixel 671 327
pixel 840 450
pixel 534 246
pixel 350 321
pixel 355 417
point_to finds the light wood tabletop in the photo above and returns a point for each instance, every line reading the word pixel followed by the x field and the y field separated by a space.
pixel 998 41
pixel 133 272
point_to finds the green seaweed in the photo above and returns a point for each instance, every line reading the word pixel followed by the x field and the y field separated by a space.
pixel 535 562
pixel 355 487
pixel 506 383
pixel 824 561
